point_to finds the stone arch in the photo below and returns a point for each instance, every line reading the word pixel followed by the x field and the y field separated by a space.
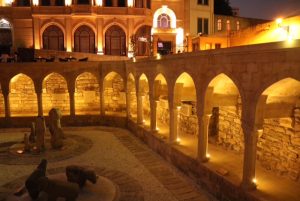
pixel 114 94
pixel 277 123
pixel 53 38
pixel 222 116
pixel 47 25
pixel 131 90
pixel 55 94
pixel 185 105
pixel 22 96
pixel 87 94
pixel 2 106
pixel 162 105
pixel 115 41
pixel 144 93
pixel 167 11
pixel 6 36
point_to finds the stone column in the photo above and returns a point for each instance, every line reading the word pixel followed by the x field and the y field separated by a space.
pixel 189 43
pixel 39 96
pixel 203 124
pixel 68 37
pixel 174 112
pixel 6 104
pixel 249 158
pixel 115 3
pixel 155 40
pixel 130 33
pixel 144 3
pixel 140 116
pixel 72 102
pixel 153 115
pixel 99 36
pixel 36 33
pixel 127 100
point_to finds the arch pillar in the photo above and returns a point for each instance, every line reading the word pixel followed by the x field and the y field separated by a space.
pixel 5 92
pixel 39 94
pixel 102 101
pixel 71 90
pixel 115 3
pixel 139 101
pixel 153 106
pixel 250 140
pixel 128 102
pixel 100 38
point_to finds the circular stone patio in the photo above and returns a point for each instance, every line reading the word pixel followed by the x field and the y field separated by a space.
pixel 74 145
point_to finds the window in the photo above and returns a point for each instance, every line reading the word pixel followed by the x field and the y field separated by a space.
pixel 202 26
pixel 217 45
pixel 164 21
pixel 203 2
pixel 237 25
pixel 228 25
pixel 219 25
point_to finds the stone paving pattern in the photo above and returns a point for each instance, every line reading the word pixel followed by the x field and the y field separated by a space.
pixel 122 158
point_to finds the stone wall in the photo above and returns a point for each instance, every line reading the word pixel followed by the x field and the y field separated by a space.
pixel 87 94
pixel 23 100
pixel 146 107
pixel 114 95
pixel 278 147
pixel 188 121
pixel 2 108
pixel 225 128
pixel 163 112
pixel 55 94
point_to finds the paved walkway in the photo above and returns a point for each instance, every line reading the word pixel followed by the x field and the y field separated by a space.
pixel 115 150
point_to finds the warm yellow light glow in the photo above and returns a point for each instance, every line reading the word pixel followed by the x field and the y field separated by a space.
pixel 130 3
pixel 35 2
pixel 207 155
pixel 99 2
pixel 157 129
pixel 178 140
pixel 179 39
pixel 7 2
pixel 254 180
pixel 158 56
pixel 68 2
pixel 20 151
pixel 134 59
pixel 279 21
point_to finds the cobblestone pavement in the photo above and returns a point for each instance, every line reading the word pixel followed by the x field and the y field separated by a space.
pixel 117 155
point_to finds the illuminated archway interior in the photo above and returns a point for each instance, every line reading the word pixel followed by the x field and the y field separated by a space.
pixel 132 94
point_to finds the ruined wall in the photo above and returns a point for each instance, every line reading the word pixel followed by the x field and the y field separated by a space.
pixel 22 97
pixel 188 121
pixel 278 147
pixel 114 95
pixel 162 113
pixel 146 107
pixel 2 108
pixel 87 94
pixel 55 94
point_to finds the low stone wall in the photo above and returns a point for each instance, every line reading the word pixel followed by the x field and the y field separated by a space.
pixel 146 107
pixel 217 185
pixel 163 112
pixel 278 147
pixel 188 124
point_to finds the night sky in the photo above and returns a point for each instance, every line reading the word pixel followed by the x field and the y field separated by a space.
pixel 267 9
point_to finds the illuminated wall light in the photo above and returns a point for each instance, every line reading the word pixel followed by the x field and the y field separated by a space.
pixel 279 21
pixel 99 2
pixel 254 181
pixel 68 2
pixel 179 39
pixel 130 3
pixel 207 155
pixel 158 56
pixel 178 140
pixel 7 2
pixel 164 10
pixel 35 2
pixel 134 59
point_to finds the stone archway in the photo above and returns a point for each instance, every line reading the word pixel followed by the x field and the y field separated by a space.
pixel 115 41
pixel 87 94
pixel 114 94
pixel 55 94
pixel 185 103
pixel 162 106
pixel 22 96
pixel 53 38
pixel 84 39
pixel 143 38
pixel 6 40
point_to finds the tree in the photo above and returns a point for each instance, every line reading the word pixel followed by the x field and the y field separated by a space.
pixel 222 7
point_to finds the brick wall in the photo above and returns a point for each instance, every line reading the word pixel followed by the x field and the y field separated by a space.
pixel 23 100
pixel 55 94
pixel 278 147
pixel 114 95
pixel 87 95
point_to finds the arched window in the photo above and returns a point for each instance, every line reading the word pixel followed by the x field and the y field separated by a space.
pixel 23 2
pixel 84 39
pixel 219 24
pixel 108 3
pixel 228 25
pixel 143 37
pixel 237 25
pixel 122 3
pixel 115 41
pixel 5 36
pixel 164 21
pixel 59 2
pixel 86 2
pixel 45 3
pixel 53 38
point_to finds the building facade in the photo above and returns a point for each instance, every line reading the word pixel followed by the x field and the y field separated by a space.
pixel 108 27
